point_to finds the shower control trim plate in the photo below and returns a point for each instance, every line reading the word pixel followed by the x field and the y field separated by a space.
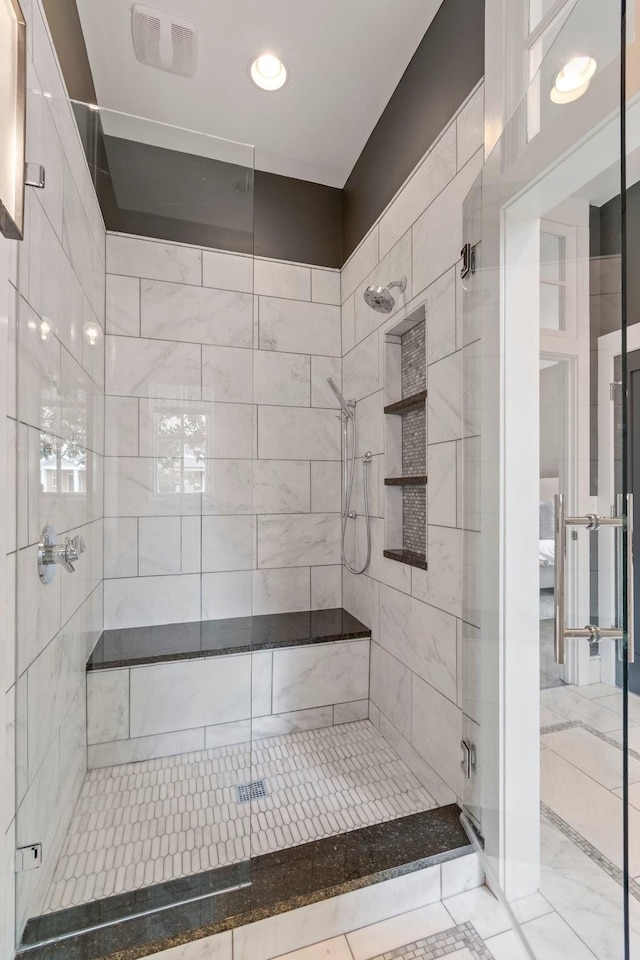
pixel 51 553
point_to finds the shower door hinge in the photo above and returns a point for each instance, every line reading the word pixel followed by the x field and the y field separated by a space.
pixel 468 254
pixel 34 175
pixel 29 858
pixel 613 389
pixel 468 762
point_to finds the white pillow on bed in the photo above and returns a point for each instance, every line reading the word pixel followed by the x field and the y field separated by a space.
pixel 547 552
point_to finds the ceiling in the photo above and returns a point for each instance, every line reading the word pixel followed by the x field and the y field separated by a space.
pixel 345 58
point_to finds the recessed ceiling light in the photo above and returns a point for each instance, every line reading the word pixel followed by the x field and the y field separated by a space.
pixel 573 80
pixel 268 72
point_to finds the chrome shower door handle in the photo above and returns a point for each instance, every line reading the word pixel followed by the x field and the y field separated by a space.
pixel 591 632
pixel 559 559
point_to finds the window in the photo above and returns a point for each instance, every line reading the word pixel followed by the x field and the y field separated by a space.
pixel 557 277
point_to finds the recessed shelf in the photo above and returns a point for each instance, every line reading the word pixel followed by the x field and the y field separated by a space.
pixel 409 403
pixel 405 481
pixel 409 557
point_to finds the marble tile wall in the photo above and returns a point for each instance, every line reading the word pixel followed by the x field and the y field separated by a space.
pixel 415 615
pixel 55 443
pixel 156 710
pixel 222 470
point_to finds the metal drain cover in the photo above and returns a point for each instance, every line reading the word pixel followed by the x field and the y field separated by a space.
pixel 251 791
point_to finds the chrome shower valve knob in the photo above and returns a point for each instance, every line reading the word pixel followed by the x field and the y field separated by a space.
pixel 52 554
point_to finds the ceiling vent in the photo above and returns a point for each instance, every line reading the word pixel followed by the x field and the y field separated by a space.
pixel 163 41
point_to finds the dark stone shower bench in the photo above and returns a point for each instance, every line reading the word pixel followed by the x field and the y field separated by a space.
pixel 176 688
pixel 133 646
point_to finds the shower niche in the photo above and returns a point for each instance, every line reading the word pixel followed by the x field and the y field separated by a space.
pixel 406 441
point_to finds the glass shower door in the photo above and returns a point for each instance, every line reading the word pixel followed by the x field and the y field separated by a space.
pixel 548 519
pixel 136 433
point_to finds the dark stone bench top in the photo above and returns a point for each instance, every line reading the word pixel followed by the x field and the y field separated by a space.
pixel 214 638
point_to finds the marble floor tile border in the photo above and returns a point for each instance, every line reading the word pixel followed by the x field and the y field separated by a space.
pixel 606 865
pixel 441 945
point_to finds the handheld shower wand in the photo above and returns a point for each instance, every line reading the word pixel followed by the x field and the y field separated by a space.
pixel 347 408
pixel 349 414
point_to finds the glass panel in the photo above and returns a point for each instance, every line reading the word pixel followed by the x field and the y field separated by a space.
pixel 551 419
pixel 539 9
pixel 135 728
pixel 552 257
pixel 552 316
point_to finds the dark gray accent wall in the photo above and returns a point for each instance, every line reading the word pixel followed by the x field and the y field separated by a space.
pixel 447 65
pixel 297 220
pixel 68 39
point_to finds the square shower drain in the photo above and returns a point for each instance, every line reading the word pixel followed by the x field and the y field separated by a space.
pixel 251 791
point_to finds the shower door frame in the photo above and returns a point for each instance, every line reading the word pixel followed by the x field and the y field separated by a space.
pixel 517 192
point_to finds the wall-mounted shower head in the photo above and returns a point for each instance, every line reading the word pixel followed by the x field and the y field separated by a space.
pixel 347 408
pixel 381 299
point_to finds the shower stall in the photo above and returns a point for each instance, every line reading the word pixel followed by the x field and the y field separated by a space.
pixel 192 699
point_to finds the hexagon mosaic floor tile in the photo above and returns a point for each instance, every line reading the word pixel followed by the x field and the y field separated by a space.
pixel 143 823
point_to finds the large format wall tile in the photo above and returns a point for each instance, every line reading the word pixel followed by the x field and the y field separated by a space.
pixel 441 584
pixel 444 400
pixel 174 311
pixel 431 177
pixel 123 306
pixel 227 271
pixel 107 705
pixel 421 637
pixel 153 368
pixel 136 257
pixel 226 594
pixel 226 374
pixel 296 327
pixel 146 601
pixel 470 127
pixel 281 591
pixel 294 433
pixel 326 486
pixel 227 543
pixel 325 286
pixel 228 487
pixel 134 488
pixel 391 688
pixel 159 546
pixel 437 730
pixel 275 279
pixel 182 365
pixel 326 587
pixel 283 486
pixel 306 677
pixel 435 250
pixel 121 427
pixel 193 693
pixel 321 369
pixel 360 373
pixel 297 541
pixel 281 378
